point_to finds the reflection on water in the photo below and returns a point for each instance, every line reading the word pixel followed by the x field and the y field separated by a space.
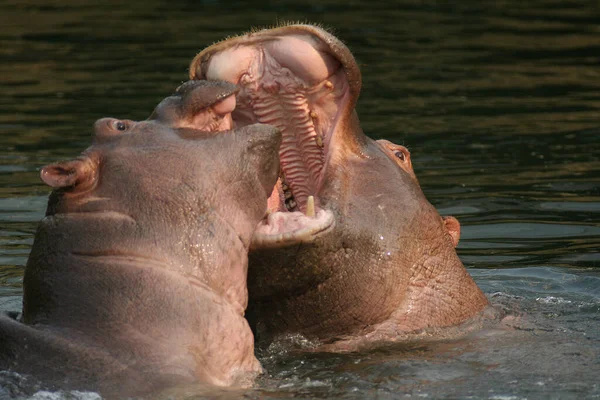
pixel 497 101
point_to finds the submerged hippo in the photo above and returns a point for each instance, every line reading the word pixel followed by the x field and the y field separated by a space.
pixel 137 276
pixel 352 251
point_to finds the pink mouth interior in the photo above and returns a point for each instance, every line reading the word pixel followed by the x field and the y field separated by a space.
pixel 295 84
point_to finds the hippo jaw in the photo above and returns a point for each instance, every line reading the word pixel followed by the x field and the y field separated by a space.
pixel 305 82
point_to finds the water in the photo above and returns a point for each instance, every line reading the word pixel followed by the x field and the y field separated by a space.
pixel 499 103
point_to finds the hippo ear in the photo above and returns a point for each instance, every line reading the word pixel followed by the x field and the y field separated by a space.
pixel 453 228
pixel 66 174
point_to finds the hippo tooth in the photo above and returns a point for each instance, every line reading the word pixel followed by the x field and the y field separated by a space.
pixel 313 115
pixel 319 140
pixel 310 207
pixel 291 204
pixel 328 85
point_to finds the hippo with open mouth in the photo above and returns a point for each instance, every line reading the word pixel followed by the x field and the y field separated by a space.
pixel 137 276
pixel 351 251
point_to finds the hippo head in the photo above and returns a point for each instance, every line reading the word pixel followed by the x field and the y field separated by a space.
pixel 299 79
pixel 137 275
pixel 351 241
pixel 170 171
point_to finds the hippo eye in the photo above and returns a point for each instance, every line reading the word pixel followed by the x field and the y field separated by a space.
pixel 119 125
pixel 400 155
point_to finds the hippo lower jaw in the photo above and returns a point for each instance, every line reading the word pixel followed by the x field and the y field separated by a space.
pixel 296 79
pixel 283 228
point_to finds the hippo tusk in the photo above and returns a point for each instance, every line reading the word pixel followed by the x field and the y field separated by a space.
pixel 310 207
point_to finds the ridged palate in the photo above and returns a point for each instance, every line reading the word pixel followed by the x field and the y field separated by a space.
pixel 301 157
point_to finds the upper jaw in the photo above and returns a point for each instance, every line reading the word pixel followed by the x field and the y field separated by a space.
pixel 305 82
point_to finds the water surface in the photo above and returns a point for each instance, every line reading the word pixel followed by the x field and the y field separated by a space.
pixel 499 103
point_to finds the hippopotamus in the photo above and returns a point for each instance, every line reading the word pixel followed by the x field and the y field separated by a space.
pixel 136 280
pixel 351 252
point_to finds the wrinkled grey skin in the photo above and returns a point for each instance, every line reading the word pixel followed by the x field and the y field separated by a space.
pixel 137 276
pixel 387 267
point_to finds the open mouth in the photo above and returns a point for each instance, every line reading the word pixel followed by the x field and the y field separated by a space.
pixel 289 78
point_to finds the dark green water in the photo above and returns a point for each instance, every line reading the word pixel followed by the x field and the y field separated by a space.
pixel 499 103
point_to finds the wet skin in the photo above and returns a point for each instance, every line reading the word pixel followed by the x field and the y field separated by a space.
pixel 137 276
pixel 351 252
